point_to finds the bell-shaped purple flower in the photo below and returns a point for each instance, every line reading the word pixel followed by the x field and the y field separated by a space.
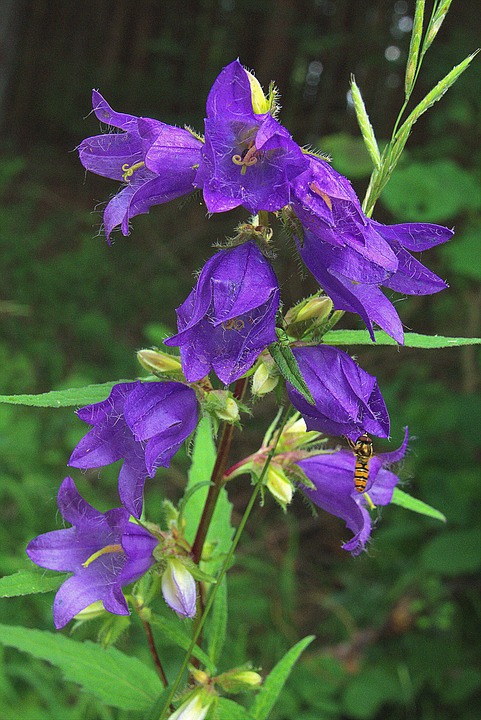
pixel 157 162
pixel 351 256
pixel 347 399
pixel 104 551
pixel 142 423
pixel 248 158
pixel 333 478
pixel 229 317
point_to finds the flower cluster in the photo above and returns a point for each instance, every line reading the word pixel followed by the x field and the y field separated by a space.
pixel 248 158
pixel 232 324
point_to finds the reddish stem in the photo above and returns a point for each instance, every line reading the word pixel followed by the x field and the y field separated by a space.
pixel 217 479
pixel 154 653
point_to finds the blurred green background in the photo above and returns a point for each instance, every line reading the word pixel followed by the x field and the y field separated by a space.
pixel 397 629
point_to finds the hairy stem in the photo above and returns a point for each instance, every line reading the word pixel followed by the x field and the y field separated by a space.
pixel 217 481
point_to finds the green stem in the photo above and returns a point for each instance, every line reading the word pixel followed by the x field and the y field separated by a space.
pixel 226 565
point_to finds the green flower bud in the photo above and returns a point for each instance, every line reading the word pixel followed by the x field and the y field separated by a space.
pixel 295 435
pixel 222 405
pixel 279 485
pixel 239 680
pixel 265 378
pixel 158 362
pixel 314 308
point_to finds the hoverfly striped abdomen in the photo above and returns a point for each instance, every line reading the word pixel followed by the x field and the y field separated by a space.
pixel 363 452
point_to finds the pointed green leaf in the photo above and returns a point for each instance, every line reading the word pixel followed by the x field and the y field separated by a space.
pixel 230 710
pixel 275 681
pixel 115 678
pixel 413 340
pixel 365 124
pixel 413 55
pixel 29 582
pixel 217 624
pixel 289 369
pixel 64 398
pixel 436 93
pixel 409 503
pixel 435 24
pixel 170 627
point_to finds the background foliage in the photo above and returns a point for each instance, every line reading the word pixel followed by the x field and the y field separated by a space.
pixel 396 630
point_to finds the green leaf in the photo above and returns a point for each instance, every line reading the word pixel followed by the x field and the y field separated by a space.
pixel 453 553
pixel 115 678
pixel 409 503
pixel 170 628
pixel 217 625
pixel 276 680
pixel 230 710
pixel 286 362
pixel 435 94
pixel 414 340
pixel 436 22
pixel 28 582
pixel 413 55
pixel 64 398
pixel 365 125
pixel 221 531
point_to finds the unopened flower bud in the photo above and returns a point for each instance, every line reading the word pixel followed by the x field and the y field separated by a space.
pixel 295 435
pixel 279 485
pixel 260 104
pixel 200 676
pixel 236 681
pixel 265 379
pixel 230 412
pixel 195 708
pixel 315 308
pixel 178 588
pixel 297 427
pixel 221 404
pixel 158 362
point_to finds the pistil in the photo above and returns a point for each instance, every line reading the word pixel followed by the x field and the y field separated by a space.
pixel 103 551
pixel 128 171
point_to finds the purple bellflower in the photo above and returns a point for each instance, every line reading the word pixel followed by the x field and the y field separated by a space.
pixel 248 158
pixel 229 317
pixel 351 256
pixel 156 161
pixel 347 399
pixel 142 423
pixel 332 475
pixel 104 551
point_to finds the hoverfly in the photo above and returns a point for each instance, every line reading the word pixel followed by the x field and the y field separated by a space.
pixel 363 453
